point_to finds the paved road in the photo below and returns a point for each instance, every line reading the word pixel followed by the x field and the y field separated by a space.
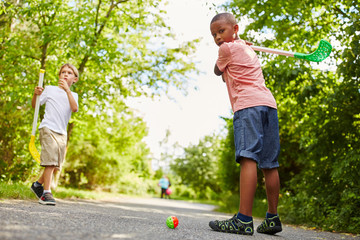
pixel 125 218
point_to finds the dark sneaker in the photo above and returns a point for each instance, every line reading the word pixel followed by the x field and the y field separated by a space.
pixel 233 225
pixel 37 190
pixel 47 199
pixel 270 226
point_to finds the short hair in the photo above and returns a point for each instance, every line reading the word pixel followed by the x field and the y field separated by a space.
pixel 76 72
pixel 228 17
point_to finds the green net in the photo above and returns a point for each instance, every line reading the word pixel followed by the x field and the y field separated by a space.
pixel 322 52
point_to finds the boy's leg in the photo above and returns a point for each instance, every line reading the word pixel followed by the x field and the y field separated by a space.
pixel 272 184
pixel 47 176
pixel 55 178
pixel 247 143
pixel 41 178
pixel 271 224
pixel 47 197
pixel 248 181
pixel 241 223
pixel 37 187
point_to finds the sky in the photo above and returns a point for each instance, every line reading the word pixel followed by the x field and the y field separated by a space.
pixel 190 117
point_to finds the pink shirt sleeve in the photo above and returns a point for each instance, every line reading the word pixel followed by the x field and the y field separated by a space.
pixel 224 57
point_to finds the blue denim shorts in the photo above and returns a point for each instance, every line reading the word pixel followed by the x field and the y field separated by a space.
pixel 256 135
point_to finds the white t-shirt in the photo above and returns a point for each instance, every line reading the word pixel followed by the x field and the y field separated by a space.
pixel 57 109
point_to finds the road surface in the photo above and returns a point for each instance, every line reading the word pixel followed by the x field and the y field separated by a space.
pixel 126 218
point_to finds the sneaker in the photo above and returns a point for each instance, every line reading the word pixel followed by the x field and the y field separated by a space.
pixel 37 190
pixel 47 199
pixel 233 225
pixel 270 226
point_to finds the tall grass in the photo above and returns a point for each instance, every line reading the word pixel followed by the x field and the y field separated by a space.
pixel 20 190
pixel 15 191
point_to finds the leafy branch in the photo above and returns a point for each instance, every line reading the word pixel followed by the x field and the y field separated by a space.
pixel 97 32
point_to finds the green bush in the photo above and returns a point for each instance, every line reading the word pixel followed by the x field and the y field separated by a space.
pixel 183 191
pixel 134 184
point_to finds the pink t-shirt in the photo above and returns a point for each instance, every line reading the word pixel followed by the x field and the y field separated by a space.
pixel 243 76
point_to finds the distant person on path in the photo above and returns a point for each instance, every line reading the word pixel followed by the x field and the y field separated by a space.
pixel 59 102
pixel 168 190
pixel 256 130
pixel 164 184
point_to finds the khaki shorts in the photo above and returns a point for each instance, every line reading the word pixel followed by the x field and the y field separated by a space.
pixel 53 148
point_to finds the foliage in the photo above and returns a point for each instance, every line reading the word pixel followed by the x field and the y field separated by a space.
pixel 120 50
pixel 198 166
pixel 158 173
pixel 229 170
pixel 318 105
pixel 183 191
pixel 105 148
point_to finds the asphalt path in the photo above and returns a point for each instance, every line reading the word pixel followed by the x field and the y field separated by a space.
pixel 126 218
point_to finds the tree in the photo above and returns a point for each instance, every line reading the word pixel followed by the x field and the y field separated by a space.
pixel 198 167
pixel 106 148
pixel 120 50
pixel 229 170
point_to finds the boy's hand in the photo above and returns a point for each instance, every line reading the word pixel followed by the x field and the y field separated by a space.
pixel 38 90
pixel 217 71
pixel 63 84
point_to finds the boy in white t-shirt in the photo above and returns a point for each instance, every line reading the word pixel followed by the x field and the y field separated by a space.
pixel 59 102
pixel 256 130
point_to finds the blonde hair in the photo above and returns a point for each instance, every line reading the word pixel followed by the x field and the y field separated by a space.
pixel 76 72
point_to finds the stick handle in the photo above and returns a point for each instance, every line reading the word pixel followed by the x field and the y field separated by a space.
pixel 37 104
pixel 271 50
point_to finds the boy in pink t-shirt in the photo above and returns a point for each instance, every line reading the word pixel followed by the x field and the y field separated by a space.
pixel 256 130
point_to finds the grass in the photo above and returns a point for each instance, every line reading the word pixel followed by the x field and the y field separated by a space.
pixel 22 191
pixel 15 191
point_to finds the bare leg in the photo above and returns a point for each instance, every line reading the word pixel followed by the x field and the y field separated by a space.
pixel 41 178
pixel 248 181
pixel 46 177
pixel 55 178
pixel 272 184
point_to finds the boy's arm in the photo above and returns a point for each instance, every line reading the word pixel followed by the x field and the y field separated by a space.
pixel 73 106
pixel 218 72
pixel 37 91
